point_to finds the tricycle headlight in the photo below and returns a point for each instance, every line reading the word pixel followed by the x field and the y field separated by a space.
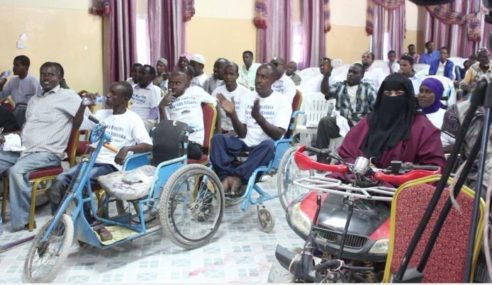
pixel 299 219
pixel 380 247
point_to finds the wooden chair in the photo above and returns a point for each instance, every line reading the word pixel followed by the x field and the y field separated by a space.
pixel 40 179
pixel 447 261
pixel 209 120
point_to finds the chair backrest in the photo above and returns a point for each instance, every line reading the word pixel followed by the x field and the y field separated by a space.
pixel 72 146
pixel 209 119
pixel 297 101
pixel 316 107
pixel 447 260
pixel 308 73
pixel 421 68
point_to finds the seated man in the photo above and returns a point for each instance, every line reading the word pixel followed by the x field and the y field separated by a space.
pixel 128 134
pixel 291 72
pixel 372 74
pixel 395 130
pixel 283 84
pixel 233 92
pixel 217 78
pixel 50 117
pixel 442 66
pixel 264 118
pixel 320 82
pixel 20 88
pixel 146 96
pixel 184 103
pixel 355 99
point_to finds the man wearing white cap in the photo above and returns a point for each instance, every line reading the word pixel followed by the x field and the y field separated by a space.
pixel 197 61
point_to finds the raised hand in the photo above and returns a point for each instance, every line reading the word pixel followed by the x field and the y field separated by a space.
pixel 228 106
pixel 255 112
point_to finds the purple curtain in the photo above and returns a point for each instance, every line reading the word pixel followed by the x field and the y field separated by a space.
pixel 386 17
pixel 167 29
pixel 119 40
pixel 455 26
pixel 314 22
pixel 486 32
pixel 275 39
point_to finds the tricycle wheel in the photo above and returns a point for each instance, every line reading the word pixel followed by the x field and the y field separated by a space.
pixel 45 257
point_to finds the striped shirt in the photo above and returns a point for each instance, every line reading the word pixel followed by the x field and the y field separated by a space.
pixel 364 100
pixel 49 118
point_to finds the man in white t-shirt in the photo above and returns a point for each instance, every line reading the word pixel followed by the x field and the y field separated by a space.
pixel 233 92
pixel 264 119
pixel 128 134
pixel 184 103
pixel 146 96
pixel 283 84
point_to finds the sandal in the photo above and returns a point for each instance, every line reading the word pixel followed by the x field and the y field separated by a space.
pixel 104 234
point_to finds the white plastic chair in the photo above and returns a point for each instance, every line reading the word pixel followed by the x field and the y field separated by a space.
pixel 315 107
pixel 308 73
pixel 336 62
pixel 421 68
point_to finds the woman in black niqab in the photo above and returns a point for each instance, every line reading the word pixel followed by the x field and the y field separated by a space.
pixel 393 115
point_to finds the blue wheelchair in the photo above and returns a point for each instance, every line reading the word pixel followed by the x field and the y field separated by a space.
pixel 187 199
pixel 283 151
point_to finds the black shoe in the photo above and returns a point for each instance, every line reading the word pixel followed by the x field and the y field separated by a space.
pixel 55 192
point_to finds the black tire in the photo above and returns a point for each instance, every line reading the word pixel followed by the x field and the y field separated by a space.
pixel 287 172
pixel 56 248
pixel 190 213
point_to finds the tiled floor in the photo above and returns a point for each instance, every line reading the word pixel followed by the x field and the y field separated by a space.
pixel 239 253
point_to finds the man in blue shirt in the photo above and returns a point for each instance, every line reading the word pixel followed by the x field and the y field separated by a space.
pixel 431 54
pixel 442 66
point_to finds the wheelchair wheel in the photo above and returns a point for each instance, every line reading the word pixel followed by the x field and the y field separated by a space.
pixel 265 219
pixel 45 258
pixel 286 174
pixel 191 206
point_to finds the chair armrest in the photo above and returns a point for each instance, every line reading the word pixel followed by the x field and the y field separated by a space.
pixel 136 160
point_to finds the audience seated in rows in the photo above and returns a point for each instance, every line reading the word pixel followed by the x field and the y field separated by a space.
pixel 264 118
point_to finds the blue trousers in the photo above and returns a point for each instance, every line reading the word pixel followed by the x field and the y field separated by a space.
pixel 99 169
pixel 225 149
pixel 19 187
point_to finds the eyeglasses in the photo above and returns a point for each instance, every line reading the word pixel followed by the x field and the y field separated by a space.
pixel 393 92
